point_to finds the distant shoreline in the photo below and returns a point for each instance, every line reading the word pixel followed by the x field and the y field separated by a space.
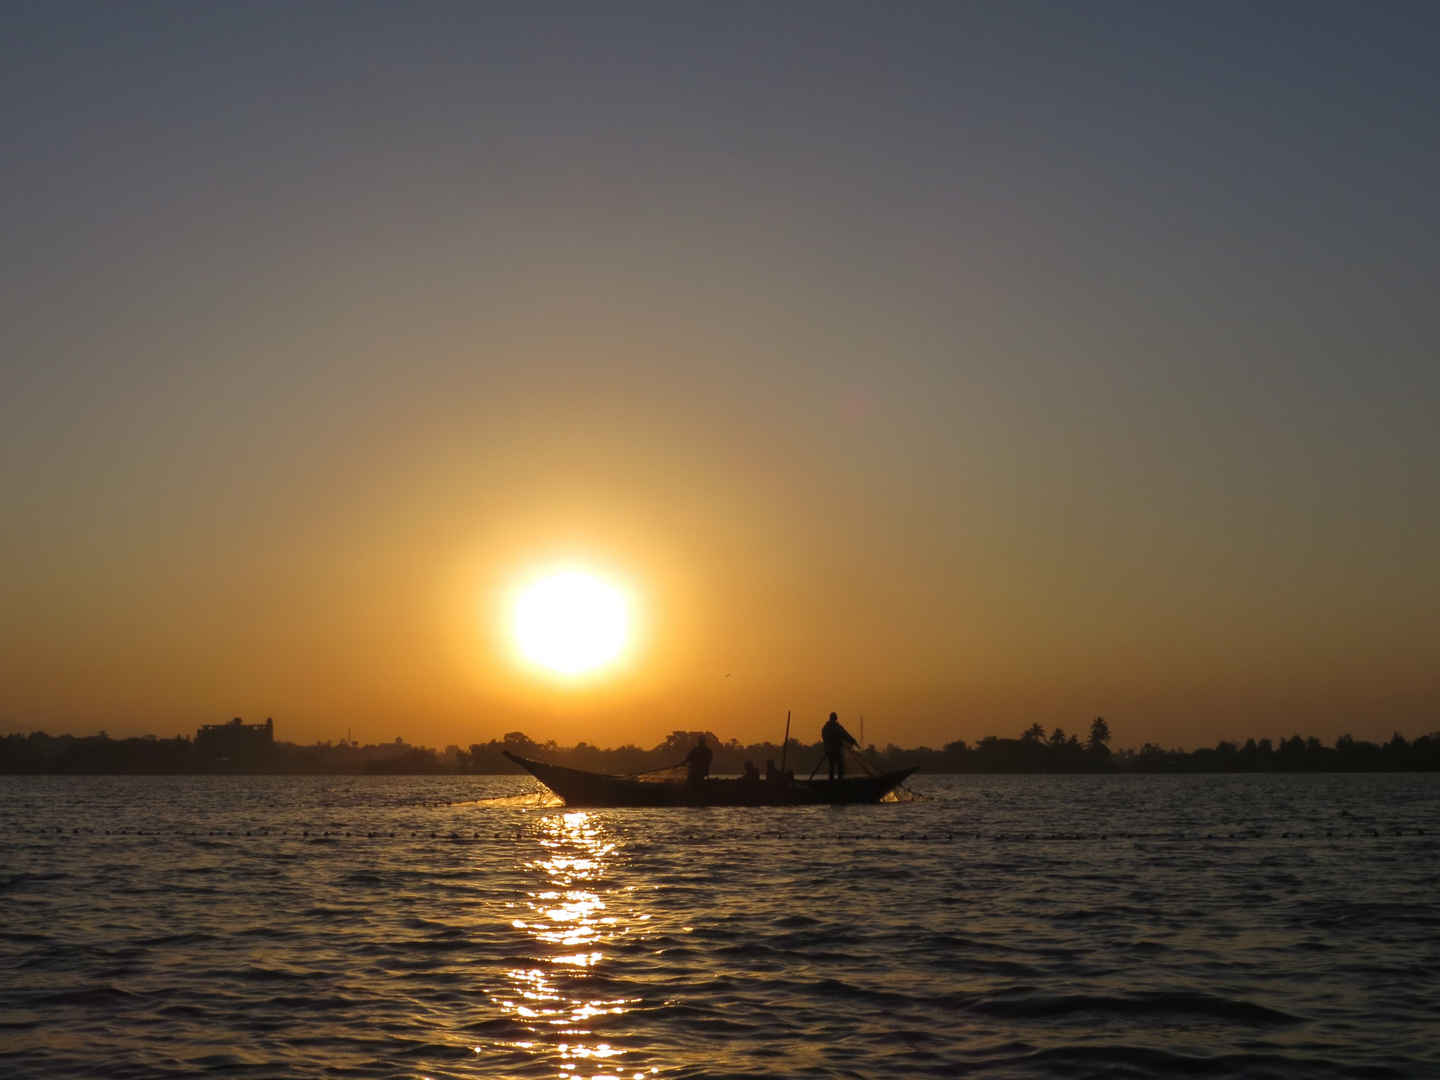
pixel 39 754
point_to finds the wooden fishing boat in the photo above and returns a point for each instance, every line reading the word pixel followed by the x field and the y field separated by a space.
pixel 587 789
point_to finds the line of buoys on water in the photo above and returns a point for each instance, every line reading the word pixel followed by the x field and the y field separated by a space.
pixel 457 835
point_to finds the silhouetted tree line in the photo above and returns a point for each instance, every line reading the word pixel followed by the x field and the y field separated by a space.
pixel 39 753
pixel 1032 752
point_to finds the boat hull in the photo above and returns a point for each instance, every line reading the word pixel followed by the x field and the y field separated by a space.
pixel 594 790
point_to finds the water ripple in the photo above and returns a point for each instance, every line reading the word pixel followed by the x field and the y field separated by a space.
pixel 464 927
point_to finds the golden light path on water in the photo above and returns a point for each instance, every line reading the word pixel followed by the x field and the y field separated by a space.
pixel 570 924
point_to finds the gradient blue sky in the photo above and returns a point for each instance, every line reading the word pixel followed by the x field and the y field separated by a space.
pixel 961 366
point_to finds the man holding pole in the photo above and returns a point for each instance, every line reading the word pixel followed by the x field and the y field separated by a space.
pixel 836 738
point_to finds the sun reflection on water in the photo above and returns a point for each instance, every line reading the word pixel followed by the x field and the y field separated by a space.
pixel 568 925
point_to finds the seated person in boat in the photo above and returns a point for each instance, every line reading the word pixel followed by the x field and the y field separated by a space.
pixel 697 762
pixel 752 774
pixel 772 774
pixel 836 738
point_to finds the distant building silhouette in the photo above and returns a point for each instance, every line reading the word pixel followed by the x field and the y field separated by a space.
pixel 236 739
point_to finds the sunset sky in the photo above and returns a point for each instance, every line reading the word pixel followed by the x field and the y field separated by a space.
pixel 957 366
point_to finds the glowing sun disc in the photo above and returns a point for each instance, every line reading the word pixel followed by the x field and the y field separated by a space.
pixel 570 622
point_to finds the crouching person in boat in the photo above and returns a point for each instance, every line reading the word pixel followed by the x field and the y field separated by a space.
pixel 836 738
pixel 697 762
pixel 775 776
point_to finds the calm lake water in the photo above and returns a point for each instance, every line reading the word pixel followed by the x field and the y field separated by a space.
pixel 1016 926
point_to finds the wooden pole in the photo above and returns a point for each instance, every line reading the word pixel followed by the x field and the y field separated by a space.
pixel 785 747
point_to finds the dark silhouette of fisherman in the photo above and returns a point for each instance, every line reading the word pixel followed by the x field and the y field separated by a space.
pixel 697 762
pixel 752 774
pixel 836 738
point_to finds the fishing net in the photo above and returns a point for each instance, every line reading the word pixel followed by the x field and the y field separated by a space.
pixel 902 793
pixel 674 774
pixel 899 793
pixel 537 800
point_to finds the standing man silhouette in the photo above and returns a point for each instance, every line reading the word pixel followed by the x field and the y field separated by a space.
pixel 836 738
pixel 697 762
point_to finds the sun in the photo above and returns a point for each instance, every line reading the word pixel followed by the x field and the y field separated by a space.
pixel 570 622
